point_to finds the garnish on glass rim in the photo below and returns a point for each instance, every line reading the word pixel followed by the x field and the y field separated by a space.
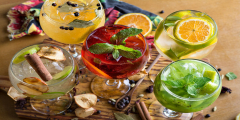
pixel 189 83
pixel 118 50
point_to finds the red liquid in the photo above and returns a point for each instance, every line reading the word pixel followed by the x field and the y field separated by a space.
pixel 109 67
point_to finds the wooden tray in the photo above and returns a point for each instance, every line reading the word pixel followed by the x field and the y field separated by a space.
pixel 107 110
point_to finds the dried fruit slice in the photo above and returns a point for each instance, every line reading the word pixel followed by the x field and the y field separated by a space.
pixel 37 84
pixel 14 94
pixel 63 73
pixel 82 113
pixel 136 20
pixel 28 90
pixel 52 53
pixel 86 100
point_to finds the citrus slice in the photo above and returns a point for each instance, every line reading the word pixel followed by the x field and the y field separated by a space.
pixel 210 74
pixel 21 58
pixel 66 71
pixel 136 20
pixel 208 88
pixel 193 30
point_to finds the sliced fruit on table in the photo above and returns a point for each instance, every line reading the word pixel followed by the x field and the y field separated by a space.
pixel 21 58
pixel 66 71
pixel 36 83
pixel 82 113
pixel 52 53
pixel 86 100
pixel 136 20
pixel 14 94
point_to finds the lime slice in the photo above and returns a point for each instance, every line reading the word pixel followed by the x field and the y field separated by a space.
pixel 51 95
pixel 209 88
pixel 21 58
pixel 210 74
pixel 66 71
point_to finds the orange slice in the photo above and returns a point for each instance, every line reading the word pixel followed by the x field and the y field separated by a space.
pixel 136 20
pixel 193 30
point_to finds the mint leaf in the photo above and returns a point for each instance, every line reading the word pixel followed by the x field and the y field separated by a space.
pixel 231 76
pixel 122 35
pixel 201 81
pixel 128 52
pixel 189 78
pixel 173 18
pixel 191 90
pixel 101 48
pixel 115 54
pixel 175 83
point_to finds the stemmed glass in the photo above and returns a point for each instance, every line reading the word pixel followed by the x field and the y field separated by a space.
pixel 111 81
pixel 176 101
pixel 71 21
pixel 47 97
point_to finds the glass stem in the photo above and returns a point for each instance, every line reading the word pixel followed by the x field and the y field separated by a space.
pixel 111 82
pixel 171 113
pixel 72 50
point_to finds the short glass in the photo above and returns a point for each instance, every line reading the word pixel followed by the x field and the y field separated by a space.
pixel 173 48
pixel 57 99
pixel 71 21
pixel 112 81
pixel 177 101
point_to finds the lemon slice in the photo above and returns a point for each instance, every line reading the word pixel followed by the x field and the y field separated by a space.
pixel 136 20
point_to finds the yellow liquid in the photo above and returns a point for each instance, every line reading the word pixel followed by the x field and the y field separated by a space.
pixel 51 19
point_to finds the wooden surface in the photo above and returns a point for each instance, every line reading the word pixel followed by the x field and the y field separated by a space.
pixel 225 55
pixel 84 87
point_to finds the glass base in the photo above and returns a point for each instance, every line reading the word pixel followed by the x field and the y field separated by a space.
pixel 109 88
pixel 162 113
pixel 52 106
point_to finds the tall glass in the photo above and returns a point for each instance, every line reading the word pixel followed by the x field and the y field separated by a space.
pixel 178 100
pixel 71 21
pixel 174 46
pixel 54 100
pixel 112 82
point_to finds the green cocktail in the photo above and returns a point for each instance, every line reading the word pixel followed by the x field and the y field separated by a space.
pixel 187 85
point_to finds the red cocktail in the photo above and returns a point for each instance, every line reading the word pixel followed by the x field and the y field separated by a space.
pixel 105 65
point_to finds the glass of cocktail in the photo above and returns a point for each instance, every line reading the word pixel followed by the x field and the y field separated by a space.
pixel 186 34
pixel 71 21
pixel 186 86
pixel 47 97
pixel 116 60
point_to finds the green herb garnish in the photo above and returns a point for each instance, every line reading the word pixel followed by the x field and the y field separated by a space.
pixel 80 23
pixel 231 76
pixel 174 18
pixel 122 35
pixel 116 50
pixel 170 24
pixel 189 83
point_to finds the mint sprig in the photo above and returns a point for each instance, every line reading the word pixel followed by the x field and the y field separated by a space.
pixel 122 35
pixel 116 50
pixel 189 83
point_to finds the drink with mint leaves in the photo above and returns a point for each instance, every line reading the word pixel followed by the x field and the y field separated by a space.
pixel 114 52
pixel 187 85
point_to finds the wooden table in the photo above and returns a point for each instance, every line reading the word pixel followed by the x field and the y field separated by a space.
pixel 225 55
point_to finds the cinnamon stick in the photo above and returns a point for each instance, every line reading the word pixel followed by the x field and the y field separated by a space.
pixel 145 110
pixel 35 61
pixel 140 111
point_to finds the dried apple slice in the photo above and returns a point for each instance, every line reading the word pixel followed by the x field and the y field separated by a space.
pixel 14 94
pixel 86 100
pixel 52 53
pixel 37 84
pixel 82 113
pixel 28 90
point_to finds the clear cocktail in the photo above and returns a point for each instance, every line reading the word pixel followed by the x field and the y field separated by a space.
pixel 186 34
pixel 187 85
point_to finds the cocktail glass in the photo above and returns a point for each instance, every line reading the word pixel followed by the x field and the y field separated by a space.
pixel 112 73
pixel 56 99
pixel 177 101
pixel 174 47
pixel 71 21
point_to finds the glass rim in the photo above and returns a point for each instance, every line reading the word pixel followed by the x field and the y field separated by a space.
pixel 146 45
pixel 192 99
pixel 59 81
pixel 188 43
pixel 64 24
